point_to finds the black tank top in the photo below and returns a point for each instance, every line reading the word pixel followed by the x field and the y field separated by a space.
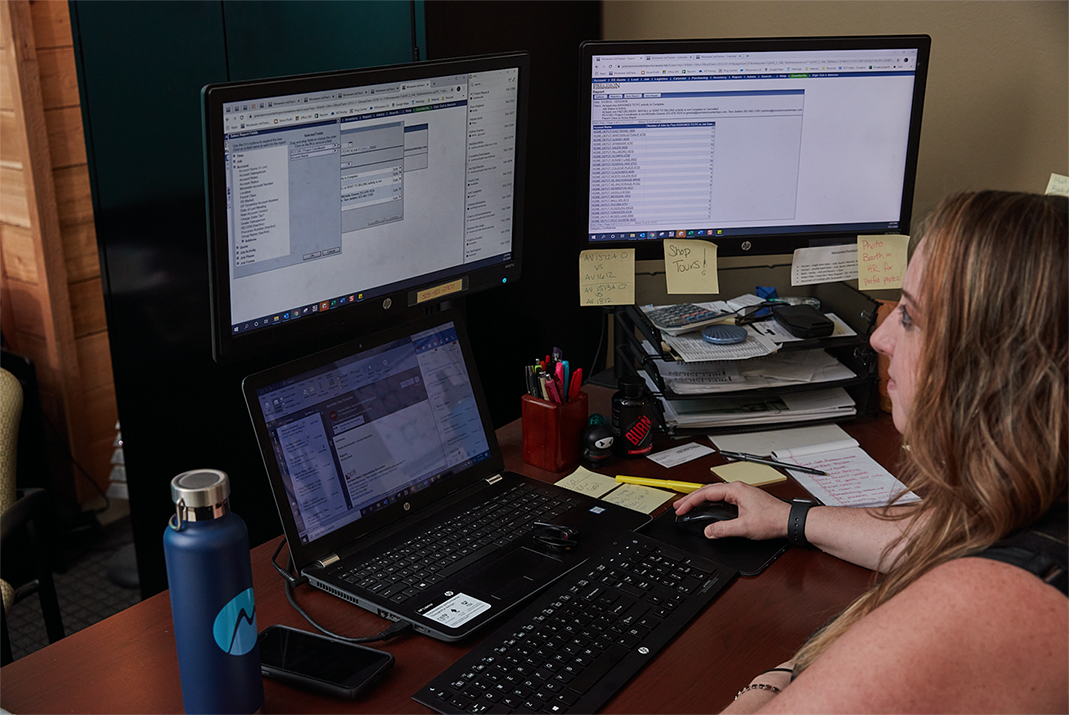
pixel 1042 549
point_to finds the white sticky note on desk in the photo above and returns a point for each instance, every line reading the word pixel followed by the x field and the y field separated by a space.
pixel 638 498
pixel 584 481
pixel 607 277
pixel 680 455
pixel 690 266
pixel 881 261
pixel 1058 185
pixel 824 264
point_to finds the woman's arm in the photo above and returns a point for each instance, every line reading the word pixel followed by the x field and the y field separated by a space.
pixel 852 534
pixel 972 635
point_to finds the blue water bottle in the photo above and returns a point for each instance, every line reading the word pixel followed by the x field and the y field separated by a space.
pixel 209 574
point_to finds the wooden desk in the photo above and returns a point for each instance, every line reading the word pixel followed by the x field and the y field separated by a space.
pixel 127 663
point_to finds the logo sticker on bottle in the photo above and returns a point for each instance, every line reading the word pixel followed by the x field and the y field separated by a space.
pixel 235 626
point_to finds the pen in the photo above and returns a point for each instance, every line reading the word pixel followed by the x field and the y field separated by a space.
pixel 771 462
pixel 683 487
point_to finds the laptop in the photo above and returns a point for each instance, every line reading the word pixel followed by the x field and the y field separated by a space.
pixel 379 450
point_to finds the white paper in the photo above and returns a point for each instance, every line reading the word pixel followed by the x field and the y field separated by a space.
pixel 764 443
pixel 824 264
pixel 680 455
pixel 778 334
pixel 854 478
pixel 692 348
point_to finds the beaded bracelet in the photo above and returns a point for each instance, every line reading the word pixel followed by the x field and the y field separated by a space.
pixel 758 686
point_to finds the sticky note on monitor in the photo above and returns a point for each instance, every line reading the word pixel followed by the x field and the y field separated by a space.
pixel 881 261
pixel 757 475
pixel 690 266
pixel 1058 185
pixel 607 277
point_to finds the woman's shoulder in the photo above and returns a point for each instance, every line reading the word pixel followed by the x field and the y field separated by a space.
pixel 970 635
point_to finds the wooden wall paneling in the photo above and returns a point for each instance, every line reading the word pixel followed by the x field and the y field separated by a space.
pixel 87 311
pixel 13 207
pixel 65 138
pixel 51 24
pixel 16 245
pixel 80 251
pixel 58 367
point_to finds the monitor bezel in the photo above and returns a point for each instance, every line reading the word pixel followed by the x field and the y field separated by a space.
pixel 385 303
pixel 763 244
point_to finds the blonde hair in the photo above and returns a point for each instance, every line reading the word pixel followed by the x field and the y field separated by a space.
pixel 987 430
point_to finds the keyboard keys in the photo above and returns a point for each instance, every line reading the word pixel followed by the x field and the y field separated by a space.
pixel 584 637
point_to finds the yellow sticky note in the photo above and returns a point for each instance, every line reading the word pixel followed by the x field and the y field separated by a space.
pixel 757 475
pixel 607 277
pixel 881 261
pixel 690 266
pixel 1058 185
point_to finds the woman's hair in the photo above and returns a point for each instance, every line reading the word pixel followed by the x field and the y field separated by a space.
pixel 988 428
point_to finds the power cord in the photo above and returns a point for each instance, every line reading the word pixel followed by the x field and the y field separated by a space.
pixel 291 582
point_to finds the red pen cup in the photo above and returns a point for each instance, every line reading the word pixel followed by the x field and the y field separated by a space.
pixel 552 433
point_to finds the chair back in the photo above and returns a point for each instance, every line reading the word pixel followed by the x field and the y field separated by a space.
pixel 10 413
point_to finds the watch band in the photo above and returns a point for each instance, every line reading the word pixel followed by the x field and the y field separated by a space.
pixel 796 521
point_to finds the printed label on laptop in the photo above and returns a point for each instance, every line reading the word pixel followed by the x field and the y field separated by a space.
pixel 457 610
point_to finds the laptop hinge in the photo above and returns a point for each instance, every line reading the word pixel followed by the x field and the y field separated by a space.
pixel 323 563
pixel 494 479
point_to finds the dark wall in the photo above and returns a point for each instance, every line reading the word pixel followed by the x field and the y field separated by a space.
pixel 141 68
pixel 513 326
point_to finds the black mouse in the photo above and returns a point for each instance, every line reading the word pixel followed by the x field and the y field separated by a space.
pixel 695 520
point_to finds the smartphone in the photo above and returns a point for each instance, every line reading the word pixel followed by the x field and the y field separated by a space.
pixel 320 664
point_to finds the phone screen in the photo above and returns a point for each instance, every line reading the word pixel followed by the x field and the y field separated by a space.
pixel 314 656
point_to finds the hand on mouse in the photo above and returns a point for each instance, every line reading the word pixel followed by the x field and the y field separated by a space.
pixel 761 515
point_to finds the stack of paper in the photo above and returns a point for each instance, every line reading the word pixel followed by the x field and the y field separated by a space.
pixel 733 411
pixel 778 370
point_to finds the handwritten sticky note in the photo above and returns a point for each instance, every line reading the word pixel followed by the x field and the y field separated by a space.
pixel 607 277
pixel 690 266
pixel 824 264
pixel 756 475
pixel 638 498
pixel 881 261
pixel 584 481
pixel 1058 184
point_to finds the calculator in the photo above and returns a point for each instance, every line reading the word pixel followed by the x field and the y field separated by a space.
pixel 682 315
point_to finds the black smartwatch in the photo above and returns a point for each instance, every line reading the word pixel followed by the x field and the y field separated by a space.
pixel 796 521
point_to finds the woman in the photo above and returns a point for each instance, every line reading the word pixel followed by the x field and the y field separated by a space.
pixel 978 361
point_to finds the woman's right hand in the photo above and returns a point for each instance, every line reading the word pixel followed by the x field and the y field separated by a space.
pixel 761 515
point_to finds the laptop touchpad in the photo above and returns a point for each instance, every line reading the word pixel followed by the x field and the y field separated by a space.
pixel 517 572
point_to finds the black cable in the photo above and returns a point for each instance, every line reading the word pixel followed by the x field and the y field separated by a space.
pixel 291 582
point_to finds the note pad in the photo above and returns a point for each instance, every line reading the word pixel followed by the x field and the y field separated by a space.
pixel 854 478
pixel 757 475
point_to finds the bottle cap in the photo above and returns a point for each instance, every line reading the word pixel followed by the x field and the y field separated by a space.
pixel 633 387
pixel 199 495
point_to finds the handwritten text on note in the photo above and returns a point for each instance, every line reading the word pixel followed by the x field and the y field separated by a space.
pixel 1058 185
pixel 607 277
pixel 690 266
pixel 881 261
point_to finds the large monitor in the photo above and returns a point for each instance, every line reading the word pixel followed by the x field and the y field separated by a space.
pixel 344 198
pixel 761 146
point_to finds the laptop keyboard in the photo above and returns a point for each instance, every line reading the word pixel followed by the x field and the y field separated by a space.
pixel 584 637
pixel 404 571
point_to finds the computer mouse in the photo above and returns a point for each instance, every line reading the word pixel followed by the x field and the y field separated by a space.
pixel 695 520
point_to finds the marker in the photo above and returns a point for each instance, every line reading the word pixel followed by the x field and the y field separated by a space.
pixel 744 457
pixel 683 487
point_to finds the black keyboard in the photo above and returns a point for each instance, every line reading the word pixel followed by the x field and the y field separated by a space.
pixel 405 570
pixel 580 641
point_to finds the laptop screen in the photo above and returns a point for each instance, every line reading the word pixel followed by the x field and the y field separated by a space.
pixel 355 435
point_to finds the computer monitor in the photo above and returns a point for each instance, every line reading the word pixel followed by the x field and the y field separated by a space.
pixel 346 198
pixel 760 146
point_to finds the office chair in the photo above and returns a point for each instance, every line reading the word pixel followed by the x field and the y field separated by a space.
pixel 23 515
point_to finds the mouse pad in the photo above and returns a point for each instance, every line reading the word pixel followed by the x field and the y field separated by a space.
pixel 747 557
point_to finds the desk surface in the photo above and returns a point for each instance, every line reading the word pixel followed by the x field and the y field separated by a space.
pixel 127 663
